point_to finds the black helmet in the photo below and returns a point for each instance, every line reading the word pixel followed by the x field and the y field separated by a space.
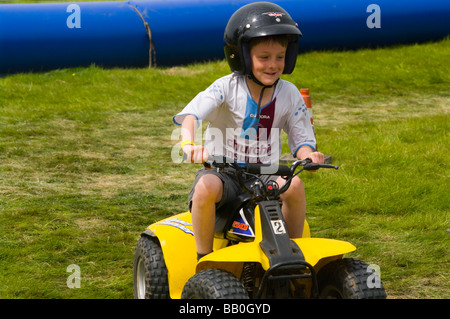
pixel 254 20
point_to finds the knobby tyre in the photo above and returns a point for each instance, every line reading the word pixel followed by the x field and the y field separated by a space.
pixel 349 278
pixel 214 284
pixel 150 280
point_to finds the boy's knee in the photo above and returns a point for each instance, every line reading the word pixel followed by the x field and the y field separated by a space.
pixel 296 189
pixel 298 185
pixel 208 188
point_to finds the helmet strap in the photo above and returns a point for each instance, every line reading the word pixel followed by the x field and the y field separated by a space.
pixel 252 77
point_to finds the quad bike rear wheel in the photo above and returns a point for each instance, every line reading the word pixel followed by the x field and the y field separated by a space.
pixel 150 279
pixel 214 284
pixel 349 279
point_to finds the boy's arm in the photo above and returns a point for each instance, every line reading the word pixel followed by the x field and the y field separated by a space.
pixel 194 153
pixel 307 152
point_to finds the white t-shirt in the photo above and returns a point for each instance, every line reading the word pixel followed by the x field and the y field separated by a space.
pixel 234 130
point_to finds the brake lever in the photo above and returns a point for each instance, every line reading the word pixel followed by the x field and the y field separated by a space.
pixel 315 166
pixel 310 166
pixel 300 163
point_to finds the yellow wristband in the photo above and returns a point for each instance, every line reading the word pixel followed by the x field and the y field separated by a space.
pixel 186 142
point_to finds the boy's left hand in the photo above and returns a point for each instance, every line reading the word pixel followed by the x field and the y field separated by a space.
pixel 316 157
pixel 306 152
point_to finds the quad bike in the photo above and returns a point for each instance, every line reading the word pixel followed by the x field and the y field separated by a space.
pixel 253 256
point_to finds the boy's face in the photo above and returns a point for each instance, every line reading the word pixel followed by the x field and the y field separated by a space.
pixel 268 61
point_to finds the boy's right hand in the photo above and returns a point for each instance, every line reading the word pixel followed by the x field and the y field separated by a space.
pixel 196 154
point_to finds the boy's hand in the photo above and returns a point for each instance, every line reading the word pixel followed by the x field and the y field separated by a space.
pixel 195 154
pixel 306 152
pixel 316 157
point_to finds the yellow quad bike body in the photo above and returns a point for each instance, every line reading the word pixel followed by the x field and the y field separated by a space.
pixel 253 256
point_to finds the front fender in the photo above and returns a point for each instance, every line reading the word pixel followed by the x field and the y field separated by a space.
pixel 177 242
pixel 317 249
pixel 232 258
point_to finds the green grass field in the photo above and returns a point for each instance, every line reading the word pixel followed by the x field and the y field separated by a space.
pixel 85 166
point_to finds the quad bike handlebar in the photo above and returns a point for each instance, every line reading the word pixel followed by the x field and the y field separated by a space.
pixel 259 189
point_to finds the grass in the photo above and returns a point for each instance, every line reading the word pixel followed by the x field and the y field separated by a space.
pixel 85 166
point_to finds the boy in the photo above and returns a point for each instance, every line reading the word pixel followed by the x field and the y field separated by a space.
pixel 245 111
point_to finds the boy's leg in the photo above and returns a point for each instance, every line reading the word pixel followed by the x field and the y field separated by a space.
pixel 207 192
pixel 294 206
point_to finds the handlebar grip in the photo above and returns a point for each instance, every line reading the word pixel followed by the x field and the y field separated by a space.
pixel 280 170
pixel 216 161
pixel 283 170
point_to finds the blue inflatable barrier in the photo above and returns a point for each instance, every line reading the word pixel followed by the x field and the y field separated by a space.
pixel 36 37
pixel 57 35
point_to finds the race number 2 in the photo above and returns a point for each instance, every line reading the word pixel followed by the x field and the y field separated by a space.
pixel 278 227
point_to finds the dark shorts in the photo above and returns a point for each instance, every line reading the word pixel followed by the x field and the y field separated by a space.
pixel 231 188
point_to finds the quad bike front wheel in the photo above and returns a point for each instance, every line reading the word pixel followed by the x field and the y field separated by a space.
pixel 150 279
pixel 349 279
pixel 214 284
